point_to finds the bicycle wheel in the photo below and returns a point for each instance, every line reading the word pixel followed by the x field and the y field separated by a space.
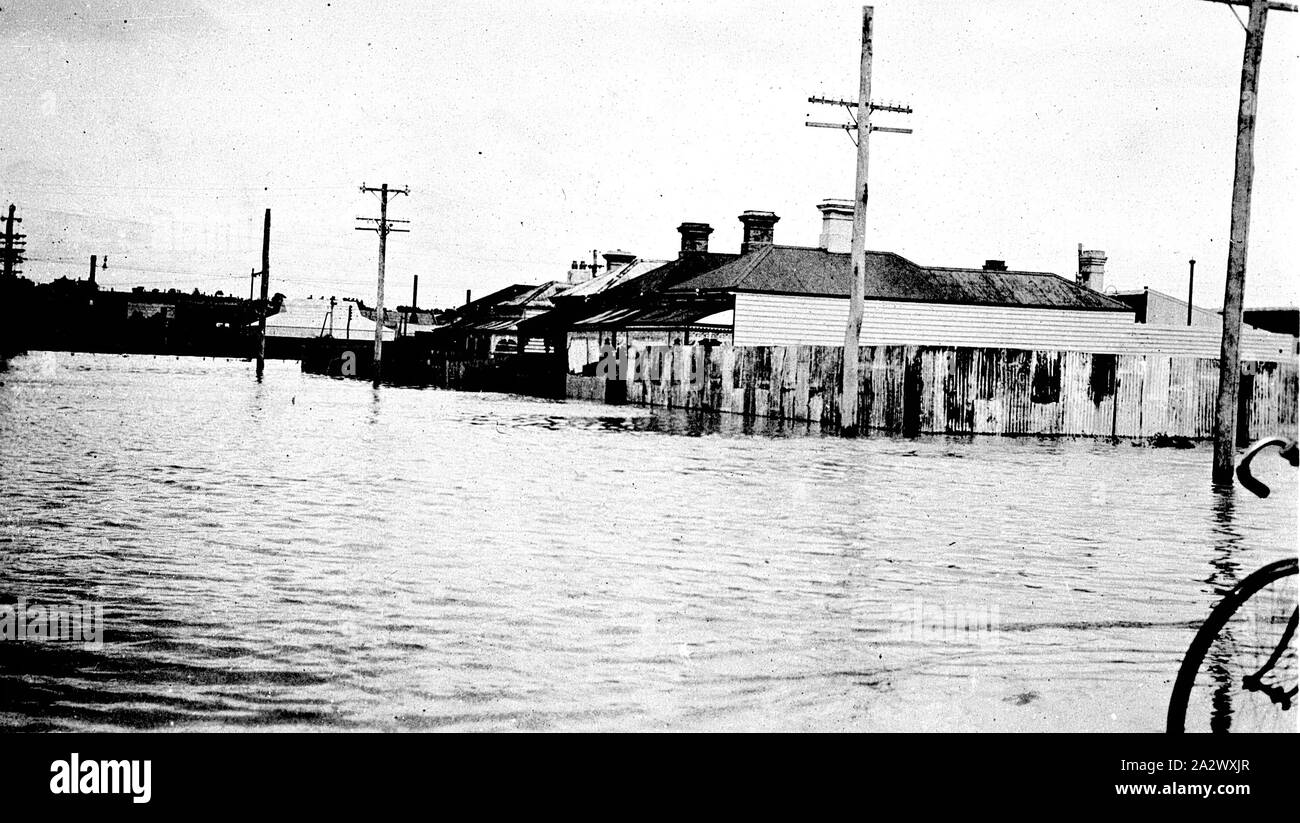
pixel 1240 673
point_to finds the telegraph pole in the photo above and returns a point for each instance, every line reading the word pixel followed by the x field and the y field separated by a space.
pixel 266 275
pixel 383 226
pixel 861 130
pixel 1225 417
pixel 13 248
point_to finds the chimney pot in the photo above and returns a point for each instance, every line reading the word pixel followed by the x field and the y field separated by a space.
pixel 617 259
pixel 759 229
pixel 1092 269
pixel 837 225
pixel 695 237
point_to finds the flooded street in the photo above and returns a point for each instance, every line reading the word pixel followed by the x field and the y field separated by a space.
pixel 309 553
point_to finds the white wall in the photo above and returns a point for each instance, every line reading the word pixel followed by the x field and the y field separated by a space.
pixel 785 320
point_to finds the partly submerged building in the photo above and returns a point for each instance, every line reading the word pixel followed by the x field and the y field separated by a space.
pixel 624 305
pixel 1261 324
pixel 489 326
pixel 303 318
pixel 777 295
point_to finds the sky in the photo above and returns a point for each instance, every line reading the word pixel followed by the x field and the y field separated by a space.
pixel 156 133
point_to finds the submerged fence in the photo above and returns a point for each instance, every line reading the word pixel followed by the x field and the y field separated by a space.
pixel 927 389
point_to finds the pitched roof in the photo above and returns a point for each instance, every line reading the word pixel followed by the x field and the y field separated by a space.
pixel 665 276
pixel 533 295
pixel 814 271
pixel 497 297
pixel 666 313
pixel 572 307
pixel 305 317
pixel 618 276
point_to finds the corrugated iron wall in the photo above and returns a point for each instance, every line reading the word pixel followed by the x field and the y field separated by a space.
pixel 929 389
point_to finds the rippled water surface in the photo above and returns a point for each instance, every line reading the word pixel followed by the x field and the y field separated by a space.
pixel 309 553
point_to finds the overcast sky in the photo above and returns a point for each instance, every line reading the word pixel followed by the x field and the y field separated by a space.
pixel 531 133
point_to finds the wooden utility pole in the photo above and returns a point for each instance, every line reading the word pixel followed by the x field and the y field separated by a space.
pixel 858 255
pixel 861 129
pixel 1225 417
pixel 266 277
pixel 382 226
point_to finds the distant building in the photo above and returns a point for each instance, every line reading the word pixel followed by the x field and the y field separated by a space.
pixel 145 310
pixel 489 326
pixel 1156 308
pixel 772 294
pixel 795 295
pixel 1275 319
pixel 301 318
pixel 1160 309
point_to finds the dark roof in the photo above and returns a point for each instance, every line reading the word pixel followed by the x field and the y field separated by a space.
pixel 812 271
pixel 622 274
pixel 497 297
pixel 1279 320
pixel 624 293
pixel 661 278
pixel 499 311
pixel 669 312
pixel 531 295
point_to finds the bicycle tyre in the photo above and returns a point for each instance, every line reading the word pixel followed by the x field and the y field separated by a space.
pixel 1175 722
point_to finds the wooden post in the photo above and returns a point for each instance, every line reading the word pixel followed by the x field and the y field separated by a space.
pixel 347 335
pixel 849 381
pixel 1225 417
pixel 266 276
pixel 415 297
pixel 1191 279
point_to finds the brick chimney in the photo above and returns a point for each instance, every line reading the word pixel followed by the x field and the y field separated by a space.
pixel 837 225
pixel 695 237
pixel 1092 269
pixel 995 265
pixel 758 229
pixel 617 259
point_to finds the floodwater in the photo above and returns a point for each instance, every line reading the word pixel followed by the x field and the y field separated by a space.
pixel 309 553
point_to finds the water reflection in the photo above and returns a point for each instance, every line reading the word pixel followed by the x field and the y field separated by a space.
pixel 1223 578
pixel 307 552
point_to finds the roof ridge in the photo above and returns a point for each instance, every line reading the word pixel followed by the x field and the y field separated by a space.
pixel 752 264
pixel 992 271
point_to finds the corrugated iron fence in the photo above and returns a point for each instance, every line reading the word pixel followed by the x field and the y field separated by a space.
pixel 916 389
